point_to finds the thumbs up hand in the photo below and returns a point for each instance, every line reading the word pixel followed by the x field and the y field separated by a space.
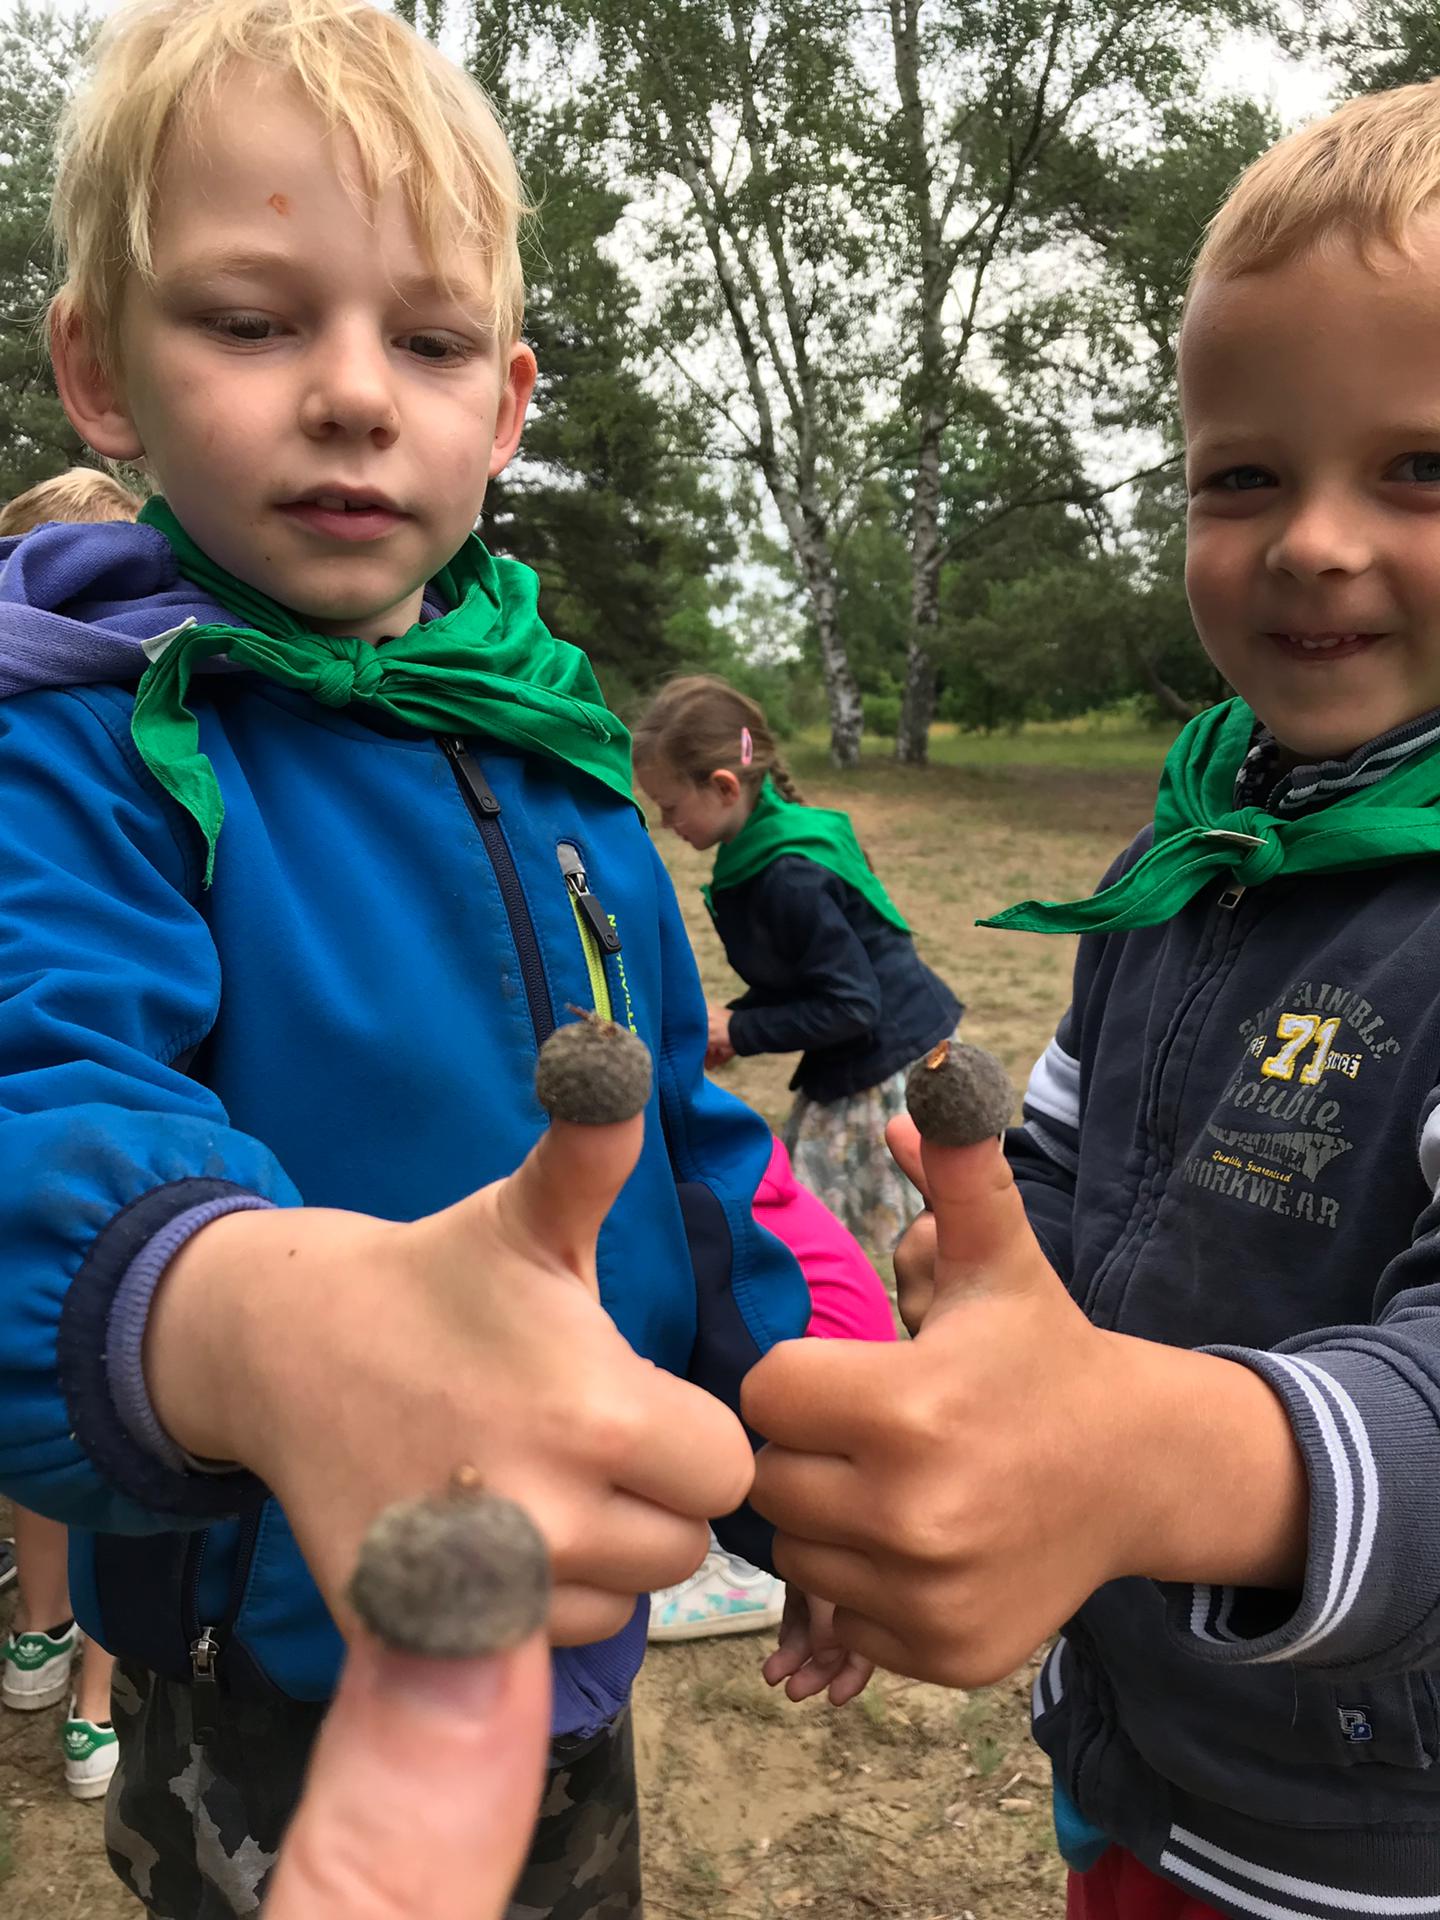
pixel 351 1362
pixel 960 1495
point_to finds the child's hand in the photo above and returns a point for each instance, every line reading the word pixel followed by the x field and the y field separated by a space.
pixel 718 1049
pixel 960 1495
pixel 453 1749
pixel 809 1659
pixel 351 1362
pixel 914 1255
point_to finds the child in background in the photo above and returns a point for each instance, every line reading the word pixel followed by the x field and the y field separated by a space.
pixel 829 964
pixel 81 494
pixel 285 1233
pixel 40 1648
pixel 847 1302
pixel 1178 1382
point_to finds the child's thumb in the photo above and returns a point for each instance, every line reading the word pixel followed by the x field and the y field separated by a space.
pixel 983 1240
pixel 422 1791
pixel 560 1194
pixel 593 1079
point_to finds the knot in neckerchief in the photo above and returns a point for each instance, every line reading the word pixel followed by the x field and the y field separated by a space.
pixel 1202 835
pixel 487 665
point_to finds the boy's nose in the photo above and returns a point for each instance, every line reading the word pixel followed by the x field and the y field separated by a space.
pixel 350 391
pixel 1321 534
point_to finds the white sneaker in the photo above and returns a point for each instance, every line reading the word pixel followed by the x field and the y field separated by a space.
pixel 724 1595
pixel 37 1668
pixel 91 1752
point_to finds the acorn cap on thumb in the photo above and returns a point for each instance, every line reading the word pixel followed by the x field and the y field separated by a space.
pixel 453 1575
pixel 593 1073
pixel 959 1095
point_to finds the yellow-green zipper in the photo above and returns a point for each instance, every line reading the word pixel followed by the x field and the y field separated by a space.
pixel 590 917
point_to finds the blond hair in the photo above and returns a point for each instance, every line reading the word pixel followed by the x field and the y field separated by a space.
pixel 697 724
pixel 1361 175
pixel 413 116
pixel 84 493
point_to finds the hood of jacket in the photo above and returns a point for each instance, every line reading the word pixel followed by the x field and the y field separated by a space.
pixel 77 603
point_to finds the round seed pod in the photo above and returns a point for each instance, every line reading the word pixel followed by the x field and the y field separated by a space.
pixel 452 1576
pixel 959 1095
pixel 593 1073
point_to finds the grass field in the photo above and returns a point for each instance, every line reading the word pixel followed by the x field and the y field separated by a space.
pixel 915 1803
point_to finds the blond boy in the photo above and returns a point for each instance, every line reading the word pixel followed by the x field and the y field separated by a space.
pixel 1179 1384
pixel 81 493
pixel 305 823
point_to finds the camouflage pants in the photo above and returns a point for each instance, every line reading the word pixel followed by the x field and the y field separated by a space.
pixel 193 1826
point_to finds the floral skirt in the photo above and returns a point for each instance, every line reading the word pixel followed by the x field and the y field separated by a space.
pixel 838 1151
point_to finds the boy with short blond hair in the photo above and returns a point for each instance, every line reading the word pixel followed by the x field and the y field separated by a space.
pixel 305 826
pixel 1177 1381
pixel 80 493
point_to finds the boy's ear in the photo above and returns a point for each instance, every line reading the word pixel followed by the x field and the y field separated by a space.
pixel 91 397
pixel 515 392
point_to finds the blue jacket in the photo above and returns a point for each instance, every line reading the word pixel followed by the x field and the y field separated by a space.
pixel 348 1018
pixel 827 976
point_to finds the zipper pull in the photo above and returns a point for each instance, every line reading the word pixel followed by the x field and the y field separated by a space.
pixel 205 1690
pixel 203 1654
pixel 1231 897
pixel 458 755
pixel 595 916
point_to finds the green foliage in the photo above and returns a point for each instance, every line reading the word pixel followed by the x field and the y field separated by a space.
pixel 609 500
pixel 1384 45
pixel 39 49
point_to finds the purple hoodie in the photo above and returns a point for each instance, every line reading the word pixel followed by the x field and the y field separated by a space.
pixel 77 601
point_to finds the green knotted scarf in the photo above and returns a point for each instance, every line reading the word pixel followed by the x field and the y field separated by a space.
pixel 1200 833
pixel 778 826
pixel 487 666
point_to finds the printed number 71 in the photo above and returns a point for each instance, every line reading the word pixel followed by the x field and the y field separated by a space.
pixel 1298 1031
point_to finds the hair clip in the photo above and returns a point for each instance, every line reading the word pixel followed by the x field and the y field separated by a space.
pixel 747 747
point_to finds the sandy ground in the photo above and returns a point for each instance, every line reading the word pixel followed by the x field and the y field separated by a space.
pixel 914 1803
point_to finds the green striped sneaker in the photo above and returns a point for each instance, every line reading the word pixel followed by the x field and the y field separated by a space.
pixel 91 1751
pixel 36 1668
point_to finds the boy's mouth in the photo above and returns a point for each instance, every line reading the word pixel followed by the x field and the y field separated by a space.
pixel 340 514
pixel 1322 646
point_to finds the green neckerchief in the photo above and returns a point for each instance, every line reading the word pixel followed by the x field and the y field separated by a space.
pixel 487 666
pixel 779 826
pixel 1201 834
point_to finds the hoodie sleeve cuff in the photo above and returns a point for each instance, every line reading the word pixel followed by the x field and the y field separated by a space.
pixel 108 1303
pixel 1372 1566
pixel 129 1316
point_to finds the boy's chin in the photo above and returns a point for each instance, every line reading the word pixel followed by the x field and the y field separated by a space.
pixel 1311 740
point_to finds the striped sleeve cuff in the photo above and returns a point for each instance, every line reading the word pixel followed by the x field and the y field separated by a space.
pixel 1373 1563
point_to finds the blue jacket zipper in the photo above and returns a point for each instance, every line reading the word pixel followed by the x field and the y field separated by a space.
pixel 207 1642
pixel 485 811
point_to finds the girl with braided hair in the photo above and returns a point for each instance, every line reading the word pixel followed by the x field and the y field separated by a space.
pixel 829 964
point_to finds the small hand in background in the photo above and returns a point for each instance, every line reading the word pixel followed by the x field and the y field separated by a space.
pixel 809 1659
pixel 718 1049
pixel 915 1251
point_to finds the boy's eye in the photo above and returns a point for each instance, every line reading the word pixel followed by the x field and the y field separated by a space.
pixel 434 346
pixel 1241 480
pixel 246 327
pixel 1421 468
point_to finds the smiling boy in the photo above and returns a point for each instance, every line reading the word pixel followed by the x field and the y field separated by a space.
pixel 299 803
pixel 1178 1379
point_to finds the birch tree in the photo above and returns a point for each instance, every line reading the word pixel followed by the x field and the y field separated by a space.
pixel 852 215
